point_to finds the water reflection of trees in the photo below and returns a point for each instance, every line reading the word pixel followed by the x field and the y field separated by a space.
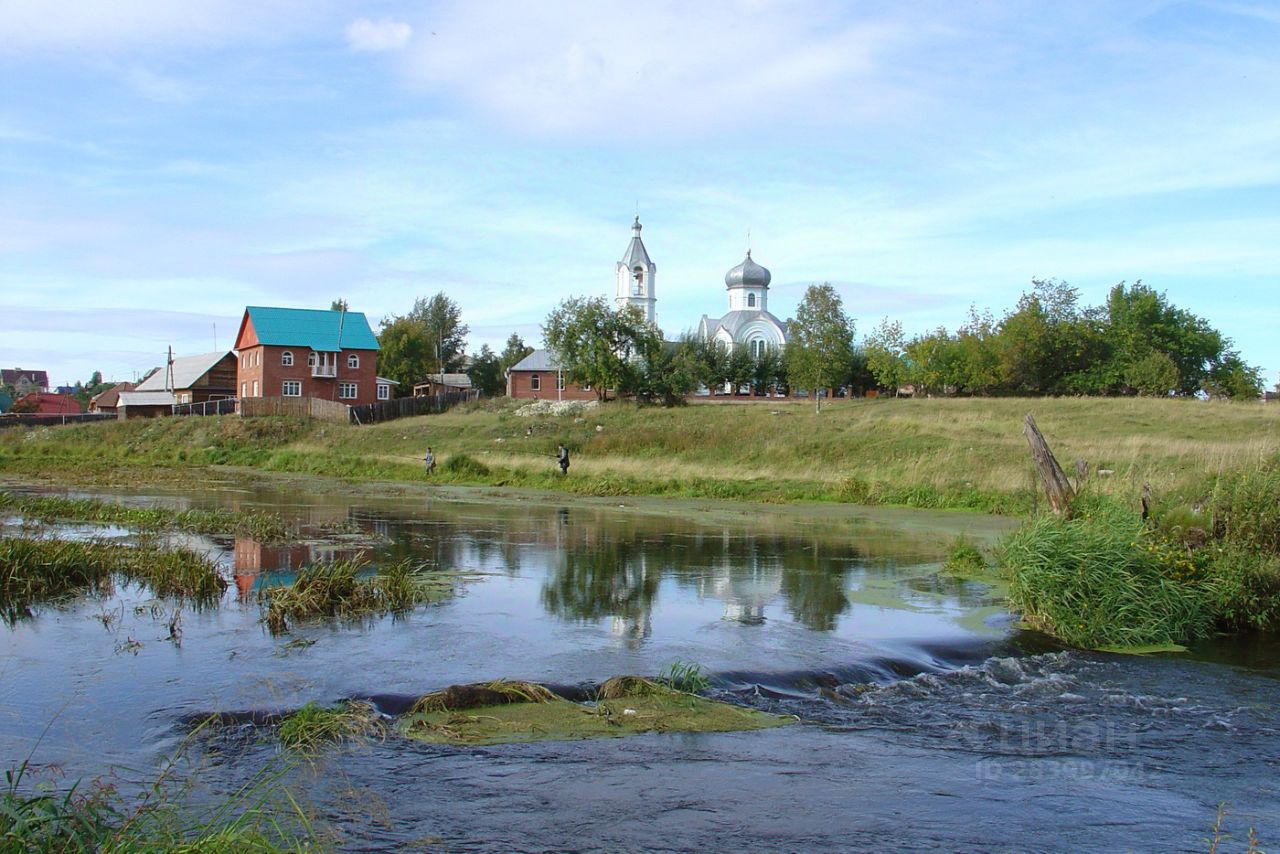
pixel 598 576
pixel 616 579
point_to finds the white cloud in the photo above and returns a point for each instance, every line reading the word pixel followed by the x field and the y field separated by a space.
pixel 628 69
pixel 378 36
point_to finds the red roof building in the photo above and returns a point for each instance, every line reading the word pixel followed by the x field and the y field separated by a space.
pixel 46 403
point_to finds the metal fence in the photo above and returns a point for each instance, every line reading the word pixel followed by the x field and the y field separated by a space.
pixel 14 419
pixel 404 407
pixel 226 406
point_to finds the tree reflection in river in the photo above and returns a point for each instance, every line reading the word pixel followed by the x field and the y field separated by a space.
pixel 618 575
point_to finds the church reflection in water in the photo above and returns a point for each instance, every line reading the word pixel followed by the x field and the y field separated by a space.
pixel 599 566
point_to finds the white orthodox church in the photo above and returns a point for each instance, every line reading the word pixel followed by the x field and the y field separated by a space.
pixel 748 322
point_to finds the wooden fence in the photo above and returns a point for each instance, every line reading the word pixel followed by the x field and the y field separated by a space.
pixel 296 407
pixel 404 407
pixel 28 419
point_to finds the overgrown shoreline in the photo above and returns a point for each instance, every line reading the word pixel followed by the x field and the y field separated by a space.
pixel 961 454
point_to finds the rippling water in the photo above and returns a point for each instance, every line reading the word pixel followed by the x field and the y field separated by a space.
pixel 928 722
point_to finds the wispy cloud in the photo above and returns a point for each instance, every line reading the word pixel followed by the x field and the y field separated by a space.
pixel 378 36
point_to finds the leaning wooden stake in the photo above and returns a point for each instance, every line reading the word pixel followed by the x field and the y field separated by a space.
pixel 1056 486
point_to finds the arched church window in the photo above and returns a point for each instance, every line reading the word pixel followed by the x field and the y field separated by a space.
pixel 751 300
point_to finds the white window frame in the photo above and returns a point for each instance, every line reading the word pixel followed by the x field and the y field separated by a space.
pixel 559 382
pixel 384 391
pixel 255 389
pixel 353 361
pixel 311 359
pixel 535 382
pixel 291 384
pixel 286 358
pixel 751 300
pixel 244 389
pixel 344 388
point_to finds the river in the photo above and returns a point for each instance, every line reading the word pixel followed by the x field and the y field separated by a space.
pixel 929 721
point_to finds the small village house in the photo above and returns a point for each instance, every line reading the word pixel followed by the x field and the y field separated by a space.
pixel 538 377
pixel 300 353
pixel 24 381
pixel 107 400
pixel 442 384
pixel 187 379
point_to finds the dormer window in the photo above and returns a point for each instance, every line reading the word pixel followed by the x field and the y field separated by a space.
pixel 286 358
pixel 353 360
pixel 751 300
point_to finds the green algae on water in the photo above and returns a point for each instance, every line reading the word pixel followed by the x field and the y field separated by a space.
pixel 647 707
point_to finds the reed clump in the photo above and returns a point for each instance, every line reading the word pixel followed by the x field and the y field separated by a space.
pixel 264 527
pixel 36 570
pixel 1108 578
pixel 352 589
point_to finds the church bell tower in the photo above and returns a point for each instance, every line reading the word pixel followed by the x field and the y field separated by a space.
pixel 635 275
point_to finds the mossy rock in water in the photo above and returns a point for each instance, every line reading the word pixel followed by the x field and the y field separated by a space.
pixel 654 709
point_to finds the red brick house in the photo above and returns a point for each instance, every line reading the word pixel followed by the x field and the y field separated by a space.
pixel 538 377
pixel 299 352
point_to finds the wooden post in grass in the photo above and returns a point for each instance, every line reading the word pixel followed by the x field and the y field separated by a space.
pixel 1056 486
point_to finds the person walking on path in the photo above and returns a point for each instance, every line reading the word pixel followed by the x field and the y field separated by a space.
pixel 562 457
pixel 430 461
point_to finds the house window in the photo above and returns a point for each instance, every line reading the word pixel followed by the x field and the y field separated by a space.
pixel 384 391
pixel 559 382
pixel 291 388
pixel 244 389
pixel 286 358
pixel 311 359
pixel 255 388
pixel 751 300
pixel 535 382
pixel 353 360
pixel 347 391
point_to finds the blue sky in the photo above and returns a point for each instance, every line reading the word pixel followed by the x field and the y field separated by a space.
pixel 164 163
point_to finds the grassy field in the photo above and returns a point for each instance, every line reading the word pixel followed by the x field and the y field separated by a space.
pixel 949 453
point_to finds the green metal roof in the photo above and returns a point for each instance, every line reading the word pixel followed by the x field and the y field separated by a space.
pixel 323 331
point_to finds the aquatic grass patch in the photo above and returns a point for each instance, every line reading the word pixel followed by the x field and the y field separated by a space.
pixel 36 570
pixel 687 676
pixel 640 706
pixel 40 816
pixel 351 589
pixel 314 726
pixel 496 693
pixel 965 559
pixel 264 527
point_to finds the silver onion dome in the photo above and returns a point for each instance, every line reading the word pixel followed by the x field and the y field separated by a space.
pixel 748 274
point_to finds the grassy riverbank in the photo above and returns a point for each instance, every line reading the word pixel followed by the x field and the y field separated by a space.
pixel 942 453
